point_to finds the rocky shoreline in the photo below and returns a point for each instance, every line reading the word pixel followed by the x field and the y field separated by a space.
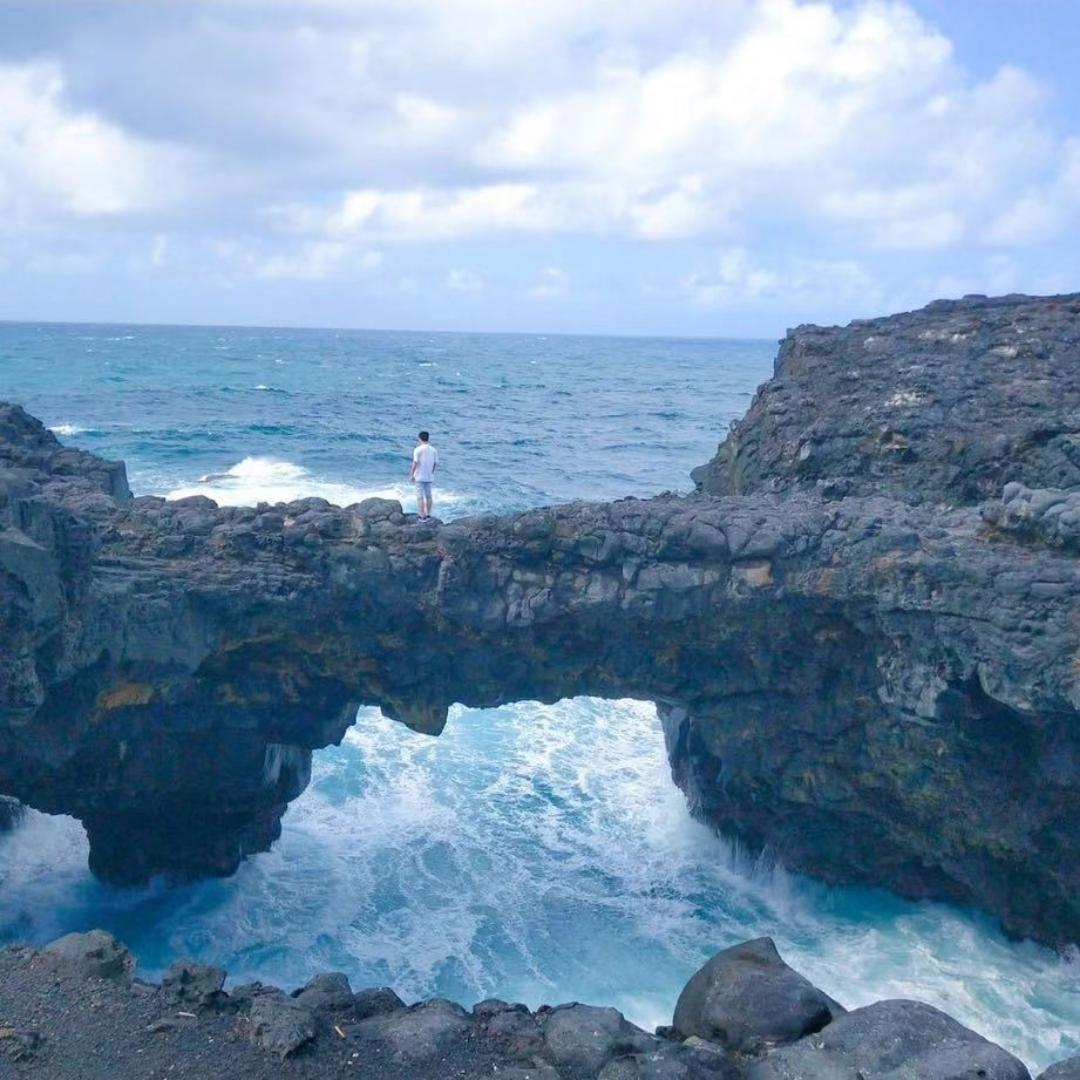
pixel 74 1010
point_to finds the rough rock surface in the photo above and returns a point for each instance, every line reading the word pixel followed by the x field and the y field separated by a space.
pixel 67 1022
pixel 673 1061
pixel 280 1024
pixel 748 1000
pixel 879 688
pixel 582 1038
pixel 327 993
pixel 947 404
pixel 192 985
pixel 95 954
pixel 891 1040
pixel 1063 1070
pixel 425 1032
pixel 10 813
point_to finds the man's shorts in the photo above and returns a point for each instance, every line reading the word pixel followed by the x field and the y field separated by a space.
pixel 423 489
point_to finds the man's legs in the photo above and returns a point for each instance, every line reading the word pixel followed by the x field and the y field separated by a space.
pixel 423 498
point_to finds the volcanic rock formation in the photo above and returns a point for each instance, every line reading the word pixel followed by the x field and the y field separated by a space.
pixel 77 1001
pixel 866 659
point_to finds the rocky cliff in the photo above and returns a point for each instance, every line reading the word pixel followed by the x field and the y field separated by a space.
pixel 862 633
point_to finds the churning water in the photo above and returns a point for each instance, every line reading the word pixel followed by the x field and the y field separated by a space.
pixel 534 852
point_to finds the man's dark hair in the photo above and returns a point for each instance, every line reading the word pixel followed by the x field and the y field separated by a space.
pixel 424 436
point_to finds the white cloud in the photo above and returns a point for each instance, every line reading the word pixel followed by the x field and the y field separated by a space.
pixel 309 135
pixel 56 160
pixel 320 260
pixel 851 120
pixel 732 280
pixel 159 251
pixel 551 284
pixel 735 278
pixel 461 280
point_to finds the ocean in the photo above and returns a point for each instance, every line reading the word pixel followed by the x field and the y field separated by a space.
pixel 534 852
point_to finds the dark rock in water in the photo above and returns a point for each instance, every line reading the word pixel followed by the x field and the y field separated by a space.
pixel 329 992
pixel 193 985
pixel 280 1024
pixel 1063 1070
pixel 880 688
pixel 10 813
pixel 375 1002
pixel 947 404
pixel 419 1033
pixel 900 1040
pixel 748 1000
pixel 584 1038
pixel 95 954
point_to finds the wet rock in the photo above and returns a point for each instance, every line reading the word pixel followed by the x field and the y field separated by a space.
pixel 1069 1069
pixel 419 1033
pixel 280 1024
pixel 10 813
pixel 585 1037
pixel 375 1002
pixel 748 1000
pixel 329 992
pixel 897 1040
pixel 194 985
pixel 95 954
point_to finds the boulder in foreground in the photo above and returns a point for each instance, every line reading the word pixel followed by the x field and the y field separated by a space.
pixel 748 1000
pixel 95 954
pixel 891 1040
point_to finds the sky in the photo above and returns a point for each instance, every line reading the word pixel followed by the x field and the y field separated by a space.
pixel 682 167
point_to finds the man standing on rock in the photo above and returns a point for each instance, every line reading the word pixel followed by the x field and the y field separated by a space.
pixel 425 460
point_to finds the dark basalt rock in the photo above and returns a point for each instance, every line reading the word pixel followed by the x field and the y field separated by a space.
pixel 376 1002
pixel 95 954
pixel 947 404
pixel 10 813
pixel 900 1040
pixel 673 1061
pixel 78 1011
pixel 582 1038
pixel 748 1000
pixel 1063 1070
pixel 327 993
pixel 280 1024
pixel 188 985
pixel 877 688
pixel 421 1033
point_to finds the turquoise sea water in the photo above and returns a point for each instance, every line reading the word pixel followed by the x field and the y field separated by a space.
pixel 534 852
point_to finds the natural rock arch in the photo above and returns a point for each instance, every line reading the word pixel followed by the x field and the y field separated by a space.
pixel 854 682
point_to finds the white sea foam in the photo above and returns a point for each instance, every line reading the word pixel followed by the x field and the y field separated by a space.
pixel 67 431
pixel 261 479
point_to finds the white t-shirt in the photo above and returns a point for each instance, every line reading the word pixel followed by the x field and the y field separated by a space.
pixel 425 458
